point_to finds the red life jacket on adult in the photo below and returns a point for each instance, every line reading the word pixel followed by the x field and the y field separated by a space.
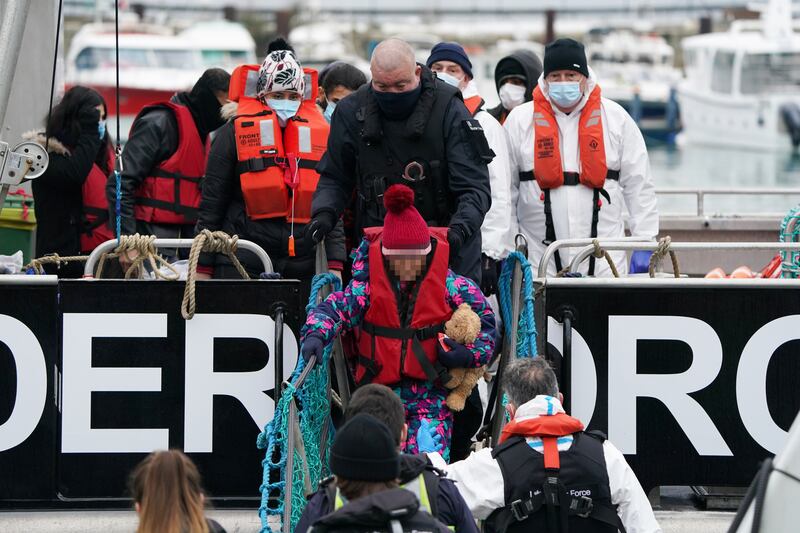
pixel 95 207
pixel 171 194
pixel 277 166
pixel 389 348
pixel 474 104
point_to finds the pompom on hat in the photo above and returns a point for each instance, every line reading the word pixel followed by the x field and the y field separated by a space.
pixel 280 71
pixel 404 230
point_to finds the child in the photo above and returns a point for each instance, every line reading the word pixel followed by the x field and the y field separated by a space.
pixel 401 294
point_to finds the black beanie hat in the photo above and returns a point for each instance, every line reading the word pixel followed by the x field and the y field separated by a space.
pixel 509 67
pixel 364 450
pixel 565 54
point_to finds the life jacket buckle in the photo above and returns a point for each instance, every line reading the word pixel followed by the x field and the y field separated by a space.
pixel 521 510
pixel 581 506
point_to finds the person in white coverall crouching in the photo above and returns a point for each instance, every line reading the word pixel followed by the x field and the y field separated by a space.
pixel 581 164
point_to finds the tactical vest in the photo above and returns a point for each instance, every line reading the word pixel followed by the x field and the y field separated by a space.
pixel 425 487
pixel 94 230
pixel 547 161
pixel 390 152
pixel 171 193
pixel 277 166
pixel 583 494
pixel 389 347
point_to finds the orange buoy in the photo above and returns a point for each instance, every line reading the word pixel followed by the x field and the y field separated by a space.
pixel 717 273
pixel 742 272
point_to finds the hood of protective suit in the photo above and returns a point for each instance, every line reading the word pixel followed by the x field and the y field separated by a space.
pixel 530 64
pixel 591 83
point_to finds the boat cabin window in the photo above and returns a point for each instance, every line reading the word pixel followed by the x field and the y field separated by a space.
pixel 223 58
pixel 773 73
pixel 722 72
pixel 177 59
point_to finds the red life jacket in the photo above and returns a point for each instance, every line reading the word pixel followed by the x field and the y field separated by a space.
pixel 474 104
pixel 388 349
pixel 95 231
pixel 548 428
pixel 277 166
pixel 547 152
pixel 171 194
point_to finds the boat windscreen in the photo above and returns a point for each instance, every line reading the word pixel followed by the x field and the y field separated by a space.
pixel 771 73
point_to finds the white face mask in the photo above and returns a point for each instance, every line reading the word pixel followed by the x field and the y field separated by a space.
pixel 511 95
pixel 449 79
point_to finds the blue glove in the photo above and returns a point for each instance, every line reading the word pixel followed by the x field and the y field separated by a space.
pixel 640 261
pixel 427 438
pixel 312 345
pixel 458 356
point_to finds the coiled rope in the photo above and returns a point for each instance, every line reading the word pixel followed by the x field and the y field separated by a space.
pixel 662 250
pixel 306 395
pixel 526 327
pixel 147 253
pixel 37 265
pixel 211 242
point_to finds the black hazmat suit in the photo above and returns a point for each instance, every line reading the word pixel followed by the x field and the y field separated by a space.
pixel 524 61
pixel 153 139
pixel 222 208
pixel 439 140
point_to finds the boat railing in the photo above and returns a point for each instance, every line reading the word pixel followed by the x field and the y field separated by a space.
pixel 551 250
pixel 701 194
pixel 108 246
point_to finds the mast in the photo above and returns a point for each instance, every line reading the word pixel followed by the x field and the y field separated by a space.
pixel 12 29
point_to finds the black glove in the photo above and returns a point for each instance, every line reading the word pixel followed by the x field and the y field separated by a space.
pixel 88 118
pixel 455 238
pixel 319 227
pixel 312 345
pixel 456 356
pixel 488 275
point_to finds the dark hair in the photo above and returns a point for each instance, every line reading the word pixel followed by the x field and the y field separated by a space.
pixel 345 75
pixel 352 489
pixel 166 485
pixel 382 403
pixel 215 80
pixel 64 124
pixel 526 378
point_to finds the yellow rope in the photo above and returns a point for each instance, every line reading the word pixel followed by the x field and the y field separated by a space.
pixel 213 242
pixel 662 250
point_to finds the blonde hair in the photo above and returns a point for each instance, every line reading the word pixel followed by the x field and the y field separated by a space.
pixel 166 485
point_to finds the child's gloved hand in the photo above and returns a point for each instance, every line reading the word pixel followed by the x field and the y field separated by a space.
pixel 312 345
pixel 456 355
pixel 428 440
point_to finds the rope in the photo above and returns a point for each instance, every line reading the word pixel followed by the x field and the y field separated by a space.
pixel 526 327
pixel 118 148
pixel 147 253
pixel 600 253
pixel 213 242
pixel 37 265
pixel 662 250
pixel 313 408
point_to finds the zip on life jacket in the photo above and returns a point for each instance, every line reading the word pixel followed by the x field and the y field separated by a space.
pixel 277 166
pixel 94 230
pixel 474 104
pixel 171 193
pixel 548 170
pixel 395 343
pixel 555 491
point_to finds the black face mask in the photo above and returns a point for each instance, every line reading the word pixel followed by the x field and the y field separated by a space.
pixel 397 106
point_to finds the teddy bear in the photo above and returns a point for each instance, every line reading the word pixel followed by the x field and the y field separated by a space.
pixel 463 327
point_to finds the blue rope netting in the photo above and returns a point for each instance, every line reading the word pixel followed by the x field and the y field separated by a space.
pixel 313 408
pixel 790 232
pixel 526 328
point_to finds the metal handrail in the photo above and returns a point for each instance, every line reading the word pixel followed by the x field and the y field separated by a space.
pixel 551 250
pixel 108 246
pixel 700 194
pixel 652 246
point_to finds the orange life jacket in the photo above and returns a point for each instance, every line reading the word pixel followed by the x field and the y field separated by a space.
pixel 474 104
pixel 95 207
pixel 277 166
pixel 390 350
pixel 547 153
pixel 171 193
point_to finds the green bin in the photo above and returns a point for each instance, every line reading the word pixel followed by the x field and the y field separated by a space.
pixel 18 226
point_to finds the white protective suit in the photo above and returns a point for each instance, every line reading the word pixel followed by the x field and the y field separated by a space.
pixel 497 230
pixel 572 205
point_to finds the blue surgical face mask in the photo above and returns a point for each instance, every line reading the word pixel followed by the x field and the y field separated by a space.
pixel 565 93
pixel 285 109
pixel 329 111
pixel 101 128
pixel 449 79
